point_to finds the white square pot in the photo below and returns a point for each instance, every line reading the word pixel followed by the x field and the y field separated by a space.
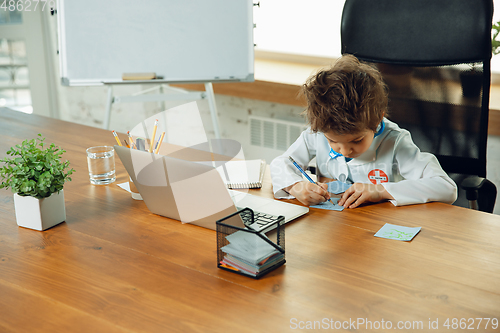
pixel 40 214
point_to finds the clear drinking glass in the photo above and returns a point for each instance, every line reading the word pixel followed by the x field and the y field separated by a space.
pixel 101 161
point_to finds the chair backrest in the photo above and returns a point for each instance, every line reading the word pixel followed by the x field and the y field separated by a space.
pixel 421 46
pixel 413 32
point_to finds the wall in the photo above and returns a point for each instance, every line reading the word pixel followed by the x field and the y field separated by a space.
pixel 86 105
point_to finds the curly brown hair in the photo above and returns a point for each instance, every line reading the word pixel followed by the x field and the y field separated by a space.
pixel 347 98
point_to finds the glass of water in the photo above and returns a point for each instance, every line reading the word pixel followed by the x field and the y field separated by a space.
pixel 101 161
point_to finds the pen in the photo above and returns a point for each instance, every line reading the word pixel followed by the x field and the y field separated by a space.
pixel 158 144
pixel 132 144
pixel 306 175
pixel 151 143
pixel 116 138
pixel 230 267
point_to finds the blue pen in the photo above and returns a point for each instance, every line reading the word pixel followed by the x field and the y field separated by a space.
pixel 306 175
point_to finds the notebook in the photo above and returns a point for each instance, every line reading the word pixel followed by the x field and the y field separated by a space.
pixel 242 174
pixel 193 192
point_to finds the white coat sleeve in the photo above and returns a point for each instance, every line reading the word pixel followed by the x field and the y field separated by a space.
pixel 283 172
pixel 424 179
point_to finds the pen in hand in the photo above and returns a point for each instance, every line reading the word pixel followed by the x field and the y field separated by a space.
pixel 306 175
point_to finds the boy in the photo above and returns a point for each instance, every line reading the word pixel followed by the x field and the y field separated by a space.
pixel 353 142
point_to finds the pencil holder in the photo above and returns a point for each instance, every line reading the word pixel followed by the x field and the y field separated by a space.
pixel 248 252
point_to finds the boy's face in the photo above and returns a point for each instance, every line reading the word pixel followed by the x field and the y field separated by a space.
pixel 350 145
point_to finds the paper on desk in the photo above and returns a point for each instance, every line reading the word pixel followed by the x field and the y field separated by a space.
pixel 125 186
pixel 337 187
pixel 248 246
pixel 397 232
pixel 329 206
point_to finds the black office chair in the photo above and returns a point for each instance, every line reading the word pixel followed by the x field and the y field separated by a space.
pixel 423 48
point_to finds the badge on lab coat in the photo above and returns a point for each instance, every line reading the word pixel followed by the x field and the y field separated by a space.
pixel 377 176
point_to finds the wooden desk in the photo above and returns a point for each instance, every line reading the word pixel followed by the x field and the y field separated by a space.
pixel 115 267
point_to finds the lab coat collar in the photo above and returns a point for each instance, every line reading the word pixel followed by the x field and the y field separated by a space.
pixel 371 154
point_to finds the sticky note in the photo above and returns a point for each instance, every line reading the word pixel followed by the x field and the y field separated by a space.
pixel 329 206
pixel 392 231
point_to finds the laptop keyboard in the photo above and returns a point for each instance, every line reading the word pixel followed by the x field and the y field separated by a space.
pixel 261 220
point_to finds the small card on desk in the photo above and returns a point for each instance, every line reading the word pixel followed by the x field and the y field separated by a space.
pixel 397 232
pixel 328 205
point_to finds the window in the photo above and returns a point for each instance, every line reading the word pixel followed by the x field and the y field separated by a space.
pixel 14 78
pixel 26 63
pixel 309 28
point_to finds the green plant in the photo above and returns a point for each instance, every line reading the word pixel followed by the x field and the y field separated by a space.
pixel 34 171
pixel 495 44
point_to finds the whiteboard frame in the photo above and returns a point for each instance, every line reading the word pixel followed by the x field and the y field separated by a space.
pixel 68 80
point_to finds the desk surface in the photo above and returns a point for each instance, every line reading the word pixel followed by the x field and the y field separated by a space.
pixel 115 267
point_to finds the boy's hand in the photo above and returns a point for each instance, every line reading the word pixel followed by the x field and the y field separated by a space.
pixel 360 192
pixel 309 193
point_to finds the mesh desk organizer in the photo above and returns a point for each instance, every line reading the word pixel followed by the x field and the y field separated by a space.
pixel 246 251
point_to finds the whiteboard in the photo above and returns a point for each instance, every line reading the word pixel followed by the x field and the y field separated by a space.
pixel 181 41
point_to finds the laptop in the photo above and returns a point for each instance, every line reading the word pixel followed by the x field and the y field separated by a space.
pixel 193 191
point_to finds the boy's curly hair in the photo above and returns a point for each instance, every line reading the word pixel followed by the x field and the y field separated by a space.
pixel 347 98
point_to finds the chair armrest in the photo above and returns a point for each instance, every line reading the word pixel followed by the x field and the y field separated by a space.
pixel 481 191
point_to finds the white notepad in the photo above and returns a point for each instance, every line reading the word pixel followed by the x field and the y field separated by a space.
pixel 242 174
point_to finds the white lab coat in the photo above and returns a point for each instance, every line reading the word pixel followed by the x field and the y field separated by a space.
pixel 393 160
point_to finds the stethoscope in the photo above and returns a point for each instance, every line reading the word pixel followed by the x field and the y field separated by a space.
pixel 333 154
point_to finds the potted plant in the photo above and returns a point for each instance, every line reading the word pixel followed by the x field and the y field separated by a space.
pixel 471 79
pixel 36 175
pixel 495 44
